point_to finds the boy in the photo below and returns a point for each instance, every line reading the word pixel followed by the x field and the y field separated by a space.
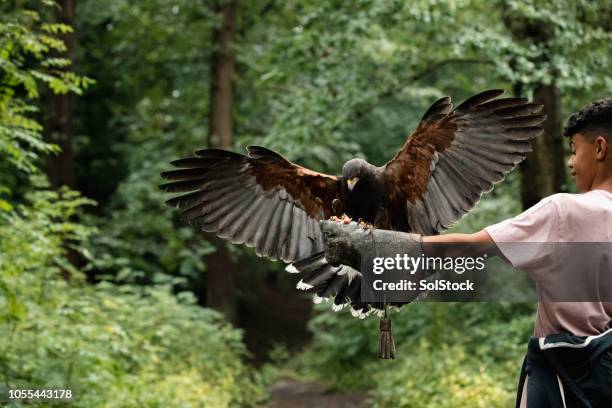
pixel 562 369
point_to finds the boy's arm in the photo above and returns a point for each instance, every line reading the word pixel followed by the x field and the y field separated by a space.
pixel 454 245
pixel 345 243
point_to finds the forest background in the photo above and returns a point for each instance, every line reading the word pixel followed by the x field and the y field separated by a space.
pixel 105 291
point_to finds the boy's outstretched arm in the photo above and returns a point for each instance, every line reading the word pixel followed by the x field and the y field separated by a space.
pixel 454 245
pixel 345 243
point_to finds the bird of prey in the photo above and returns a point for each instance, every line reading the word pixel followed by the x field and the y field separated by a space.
pixel 267 202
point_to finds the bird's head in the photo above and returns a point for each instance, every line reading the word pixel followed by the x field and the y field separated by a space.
pixel 353 171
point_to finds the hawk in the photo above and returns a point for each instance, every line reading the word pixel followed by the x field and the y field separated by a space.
pixel 267 202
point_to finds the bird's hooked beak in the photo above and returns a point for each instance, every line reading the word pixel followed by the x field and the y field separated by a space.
pixel 351 183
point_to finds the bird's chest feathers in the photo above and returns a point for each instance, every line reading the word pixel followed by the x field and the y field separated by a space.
pixel 365 201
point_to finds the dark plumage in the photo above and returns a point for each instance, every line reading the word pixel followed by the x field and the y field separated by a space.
pixel 439 174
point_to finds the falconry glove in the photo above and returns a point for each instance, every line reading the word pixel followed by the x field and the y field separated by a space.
pixel 351 244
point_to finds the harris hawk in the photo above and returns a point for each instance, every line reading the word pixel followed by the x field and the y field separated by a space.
pixel 265 201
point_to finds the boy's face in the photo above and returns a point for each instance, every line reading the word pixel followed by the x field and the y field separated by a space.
pixel 583 161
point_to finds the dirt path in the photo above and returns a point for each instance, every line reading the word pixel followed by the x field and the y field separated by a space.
pixel 288 393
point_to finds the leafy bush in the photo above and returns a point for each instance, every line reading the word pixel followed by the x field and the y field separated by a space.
pixel 443 377
pixel 112 345
pixel 474 362
pixel 123 347
pixel 448 354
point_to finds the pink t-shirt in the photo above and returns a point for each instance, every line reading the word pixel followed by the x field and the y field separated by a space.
pixel 564 218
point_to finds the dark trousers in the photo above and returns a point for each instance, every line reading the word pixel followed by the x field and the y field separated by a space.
pixel 543 390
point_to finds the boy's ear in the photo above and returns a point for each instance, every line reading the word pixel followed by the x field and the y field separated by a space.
pixel 602 148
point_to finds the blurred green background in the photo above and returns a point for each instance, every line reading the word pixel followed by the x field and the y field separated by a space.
pixel 104 291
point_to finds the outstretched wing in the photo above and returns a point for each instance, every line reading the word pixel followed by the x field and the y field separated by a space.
pixel 341 285
pixel 455 155
pixel 261 200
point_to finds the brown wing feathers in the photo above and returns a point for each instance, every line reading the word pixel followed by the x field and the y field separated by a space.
pixel 455 155
pixel 261 200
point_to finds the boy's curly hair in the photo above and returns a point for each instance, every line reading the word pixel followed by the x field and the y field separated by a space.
pixel 596 117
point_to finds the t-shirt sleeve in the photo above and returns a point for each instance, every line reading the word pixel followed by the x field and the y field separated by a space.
pixel 527 240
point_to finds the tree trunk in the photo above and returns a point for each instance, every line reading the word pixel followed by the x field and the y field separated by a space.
pixel 543 172
pixel 59 127
pixel 220 268
pixel 222 73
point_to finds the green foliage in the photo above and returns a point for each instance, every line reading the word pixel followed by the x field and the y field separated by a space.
pixel 27 45
pixel 448 354
pixel 113 345
pixel 152 75
pixel 561 43
pixel 474 363
pixel 442 377
pixel 39 228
